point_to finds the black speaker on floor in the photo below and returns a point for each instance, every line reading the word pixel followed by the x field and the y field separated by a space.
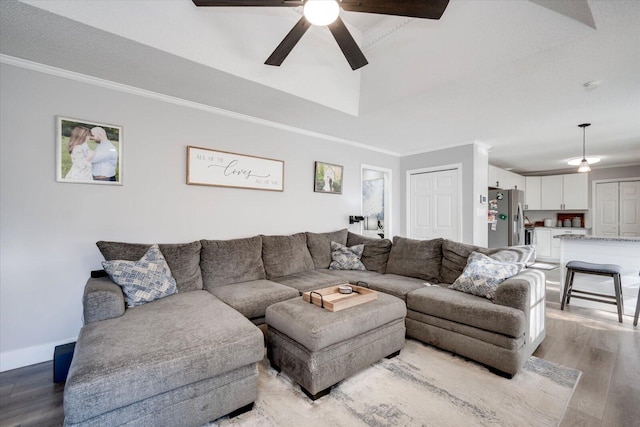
pixel 62 356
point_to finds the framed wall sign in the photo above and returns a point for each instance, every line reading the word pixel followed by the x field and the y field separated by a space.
pixel 224 169
pixel 327 178
pixel 88 152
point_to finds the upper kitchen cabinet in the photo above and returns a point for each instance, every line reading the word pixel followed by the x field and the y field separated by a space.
pixel 497 177
pixel 576 191
pixel 504 179
pixel 518 181
pixel 532 196
pixel 564 192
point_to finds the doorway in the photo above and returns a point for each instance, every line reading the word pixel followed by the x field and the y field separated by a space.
pixel 433 203
pixel 617 208
pixel 376 202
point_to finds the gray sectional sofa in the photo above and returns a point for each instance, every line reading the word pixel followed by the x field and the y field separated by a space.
pixel 191 357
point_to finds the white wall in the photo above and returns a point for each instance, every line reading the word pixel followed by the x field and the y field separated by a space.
pixel 48 230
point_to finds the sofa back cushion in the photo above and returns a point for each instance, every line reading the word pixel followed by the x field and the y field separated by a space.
pixel 183 259
pixel 376 251
pixel 319 245
pixel 285 255
pixel 455 254
pixel 416 258
pixel 224 262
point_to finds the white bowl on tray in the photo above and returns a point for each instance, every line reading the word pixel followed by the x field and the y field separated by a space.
pixel 345 289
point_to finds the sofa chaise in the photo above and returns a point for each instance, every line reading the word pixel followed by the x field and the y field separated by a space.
pixel 191 357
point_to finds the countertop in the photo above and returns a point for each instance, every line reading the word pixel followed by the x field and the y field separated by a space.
pixel 599 238
pixel 563 228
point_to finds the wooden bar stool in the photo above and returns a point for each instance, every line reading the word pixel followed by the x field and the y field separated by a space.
pixel 611 270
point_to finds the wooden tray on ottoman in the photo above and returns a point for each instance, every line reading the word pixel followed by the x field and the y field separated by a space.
pixel 331 299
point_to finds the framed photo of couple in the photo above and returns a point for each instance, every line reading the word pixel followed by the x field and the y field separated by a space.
pixel 88 152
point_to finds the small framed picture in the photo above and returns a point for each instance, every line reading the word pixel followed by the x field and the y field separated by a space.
pixel 328 178
pixel 88 152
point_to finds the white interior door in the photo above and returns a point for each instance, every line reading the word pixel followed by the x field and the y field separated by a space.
pixel 630 208
pixel 434 206
pixel 607 209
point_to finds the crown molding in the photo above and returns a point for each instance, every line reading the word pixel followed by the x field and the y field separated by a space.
pixel 95 81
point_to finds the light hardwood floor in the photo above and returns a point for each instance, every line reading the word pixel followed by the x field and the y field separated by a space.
pixel 607 353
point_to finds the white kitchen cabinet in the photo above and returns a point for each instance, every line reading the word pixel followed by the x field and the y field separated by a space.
pixel 518 181
pixel 551 192
pixel 505 180
pixel 497 177
pixel 575 189
pixel 548 247
pixel 532 193
pixel 564 192
pixel 543 247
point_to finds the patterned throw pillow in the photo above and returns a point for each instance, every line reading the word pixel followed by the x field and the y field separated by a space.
pixel 482 275
pixel 145 280
pixel 345 258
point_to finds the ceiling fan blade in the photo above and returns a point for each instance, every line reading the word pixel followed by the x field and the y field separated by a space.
pixel 430 9
pixel 289 42
pixel 347 44
pixel 250 3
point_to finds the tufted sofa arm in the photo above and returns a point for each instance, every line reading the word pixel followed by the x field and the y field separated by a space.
pixel 102 300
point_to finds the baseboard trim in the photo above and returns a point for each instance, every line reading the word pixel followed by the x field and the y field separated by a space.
pixel 29 356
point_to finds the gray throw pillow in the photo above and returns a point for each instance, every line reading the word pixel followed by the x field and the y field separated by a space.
pixel 183 259
pixel 346 258
pixel 376 251
pixel 455 254
pixel 142 281
pixel 319 245
pixel 416 258
pixel 483 274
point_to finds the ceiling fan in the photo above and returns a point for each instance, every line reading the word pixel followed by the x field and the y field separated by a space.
pixel 326 13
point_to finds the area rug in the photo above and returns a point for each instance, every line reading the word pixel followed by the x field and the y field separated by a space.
pixel 423 386
pixel 543 266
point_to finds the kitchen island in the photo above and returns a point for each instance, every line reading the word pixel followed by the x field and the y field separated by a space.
pixel 623 251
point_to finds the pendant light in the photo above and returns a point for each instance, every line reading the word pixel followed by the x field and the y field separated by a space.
pixel 584 165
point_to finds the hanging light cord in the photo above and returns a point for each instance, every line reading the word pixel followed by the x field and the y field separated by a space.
pixel 583 137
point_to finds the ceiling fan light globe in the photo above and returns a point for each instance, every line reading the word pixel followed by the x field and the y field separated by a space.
pixel 584 166
pixel 321 12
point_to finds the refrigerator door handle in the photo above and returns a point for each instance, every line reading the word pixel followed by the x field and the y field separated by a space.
pixel 520 225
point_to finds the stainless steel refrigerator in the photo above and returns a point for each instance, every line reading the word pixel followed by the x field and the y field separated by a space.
pixel 506 218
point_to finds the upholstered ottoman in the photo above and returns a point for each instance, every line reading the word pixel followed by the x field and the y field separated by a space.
pixel 318 348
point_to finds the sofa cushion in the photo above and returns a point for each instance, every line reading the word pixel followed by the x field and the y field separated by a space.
pixel 252 298
pixel 319 245
pixel 154 348
pixel 142 281
pixel 376 251
pixel 285 255
pixel 455 255
pixel 393 284
pixel 467 309
pixel 183 259
pixel 310 280
pixel 346 258
pixel 231 261
pixel 483 274
pixel 416 258
pixel 352 276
